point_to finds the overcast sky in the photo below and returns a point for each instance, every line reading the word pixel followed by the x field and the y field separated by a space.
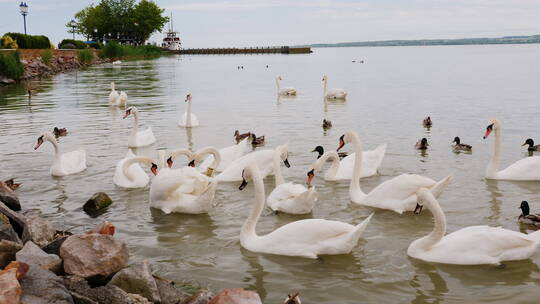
pixel 207 23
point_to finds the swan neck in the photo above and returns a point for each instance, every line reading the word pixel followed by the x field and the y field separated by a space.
pixel 278 177
pixel 135 122
pixel 324 86
pixel 112 87
pixel 131 161
pixel 214 152
pixel 248 228
pixel 277 83
pixel 355 181
pixel 334 167
pixel 495 161
pixel 55 146
pixel 439 229
pixel 188 113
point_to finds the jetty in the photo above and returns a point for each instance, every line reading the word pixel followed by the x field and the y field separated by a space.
pixel 246 50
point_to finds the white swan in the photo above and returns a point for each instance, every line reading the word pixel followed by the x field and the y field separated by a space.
pixel 129 174
pixel 263 159
pixel 289 197
pixel 333 93
pixel 526 169
pixel 184 190
pixel 474 245
pixel 305 238
pixel 228 155
pixel 343 169
pixel 117 62
pixel 139 138
pixel 63 163
pixel 113 95
pixel 290 91
pixel 189 119
pixel 397 194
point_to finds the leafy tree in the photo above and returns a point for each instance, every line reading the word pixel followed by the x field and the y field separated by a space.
pixel 147 18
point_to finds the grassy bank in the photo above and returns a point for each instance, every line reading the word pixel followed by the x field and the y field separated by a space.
pixel 11 66
pixel 113 50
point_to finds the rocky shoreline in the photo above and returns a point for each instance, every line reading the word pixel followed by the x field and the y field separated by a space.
pixel 40 264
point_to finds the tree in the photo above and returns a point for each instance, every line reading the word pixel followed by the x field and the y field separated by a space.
pixel 147 19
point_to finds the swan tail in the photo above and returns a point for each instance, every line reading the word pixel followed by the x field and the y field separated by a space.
pixel 441 185
pixel 381 151
pixel 359 229
pixel 534 236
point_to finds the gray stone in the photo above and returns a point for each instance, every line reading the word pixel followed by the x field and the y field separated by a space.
pixel 41 286
pixel 31 254
pixel 88 255
pixel 54 246
pixel 201 297
pixel 137 279
pixel 236 296
pixel 170 294
pixel 8 249
pixel 97 203
pixel 6 230
pixel 17 221
pixel 41 231
pixel 9 197
pixel 104 294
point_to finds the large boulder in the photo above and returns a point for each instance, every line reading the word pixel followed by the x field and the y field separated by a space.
pixel 88 255
pixel 20 267
pixel 137 279
pixel 59 238
pixel 6 230
pixel 170 294
pixel 17 221
pixel 10 289
pixel 8 196
pixel 33 255
pixel 236 296
pixel 41 286
pixel 109 294
pixel 41 231
pixel 8 249
pixel 97 204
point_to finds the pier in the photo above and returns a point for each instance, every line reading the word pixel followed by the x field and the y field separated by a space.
pixel 250 50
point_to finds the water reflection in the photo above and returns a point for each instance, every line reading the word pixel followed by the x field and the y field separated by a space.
pixel 170 228
pixel 492 186
pixel 424 292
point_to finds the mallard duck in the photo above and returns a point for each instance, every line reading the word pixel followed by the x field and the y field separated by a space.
pixel 239 137
pixel 320 150
pixel 421 144
pixel 427 122
pixel 326 124
pixel 461 147
pixel 531 147
pixel 257 141
pixel 526 217
pixel 293 299
pixel 10 183
pixel 59 132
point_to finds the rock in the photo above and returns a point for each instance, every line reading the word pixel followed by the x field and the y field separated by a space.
pixel 169 294
pixel 20 268
pixel 109 294
pixel 103 228
pixel 201 297
pixel 41 231
pixel 10 289
pixel 88 255
pixel 8 249
pixel 9 197
pixel 236 296
pixel 17 221
pixel 33 255
pixel 59 238
pixel 6 230
pixel 42 286
pixel 137 279
pixel 97 204
pixel 137 299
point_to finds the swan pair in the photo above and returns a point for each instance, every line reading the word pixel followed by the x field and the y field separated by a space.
pixel 527 169
pixel 332 93
pixel 289 91
pixel 129 174
pixel 138 138
pixel 474 245
pixel 188 120
pixel 305 238
pixel 397 194
pixel 63 163
pixel 342 169
pixel 116 98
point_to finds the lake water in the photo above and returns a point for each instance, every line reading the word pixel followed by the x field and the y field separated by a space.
pixel 460 87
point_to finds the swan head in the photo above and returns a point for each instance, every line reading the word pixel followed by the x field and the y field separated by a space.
pixel 524 208
pixel 324 78
pixel 293 299
pixel 284 154
pixel 529 142
pixel 320 150
pixel 456 140
pixel 188 97
pixel 310 176
pixel 279 78
pixel 424 196
pixel 154 169
pixel 246 174
pixel 493 125
pixel 44 136
pixel 129 111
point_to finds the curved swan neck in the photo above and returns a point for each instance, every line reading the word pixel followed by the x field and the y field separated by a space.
pixel 494 163
pixel 277 83
pixel 177 152
pixel 334 157
pixel 439 228
pixel 133 160
pixel 278 176
pixel 355 181
pixel 50 138
pixel 188 113
pixel 212 151
pixel 135 113
pixel 112 87
pixel 325 81
pixel 248 228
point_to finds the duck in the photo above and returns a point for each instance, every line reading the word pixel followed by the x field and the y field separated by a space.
pixel 397 194
pixel 427 122
pixel 138 138
pixel 63 163
pixel 189 119
pixel 239 137
pixel 59 132
pixel 326 124
pixel 526 217
pixel 293 299
pixel 307 238
pixel 228 155
pixel 113 95
pixel 343 169
pixel 11 184
pixel 333 93
pixel 129 174
pixel 531 146
pixel 257 141
pixel 422 144
pixel 461 147
pixel 290 91
pixel 526 169
pixel 289 197
pixel 473 245
pixel 264 159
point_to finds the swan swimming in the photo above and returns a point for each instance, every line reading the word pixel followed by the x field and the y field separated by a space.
pixel 343 169
pixel 138 138
pixel 332 93
pixel 63 163
pixel 189 119
pixel 129 174
pixel 289 91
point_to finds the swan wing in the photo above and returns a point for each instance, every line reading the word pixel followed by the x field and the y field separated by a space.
pixel 524 169
pixel 284 198
pixel 307 232
pixel 141 178
pixel 262 158
pixel 228 155
pixel 73 162
pixel 371 160
pixel 145 137
pixel 397 192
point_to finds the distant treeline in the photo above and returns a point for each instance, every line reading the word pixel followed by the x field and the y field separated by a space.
pixel 464 41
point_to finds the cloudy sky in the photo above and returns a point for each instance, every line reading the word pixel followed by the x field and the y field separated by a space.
pixel 207 23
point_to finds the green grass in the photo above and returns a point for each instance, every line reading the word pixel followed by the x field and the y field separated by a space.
pixel 85 56
pixel 114 50
pixel 11 66
pixel 46 57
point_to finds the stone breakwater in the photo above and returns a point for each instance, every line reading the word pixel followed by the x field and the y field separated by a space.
pixel 61 61
pixel 41 264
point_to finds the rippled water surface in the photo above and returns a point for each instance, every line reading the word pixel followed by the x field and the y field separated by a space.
pixel 461 87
